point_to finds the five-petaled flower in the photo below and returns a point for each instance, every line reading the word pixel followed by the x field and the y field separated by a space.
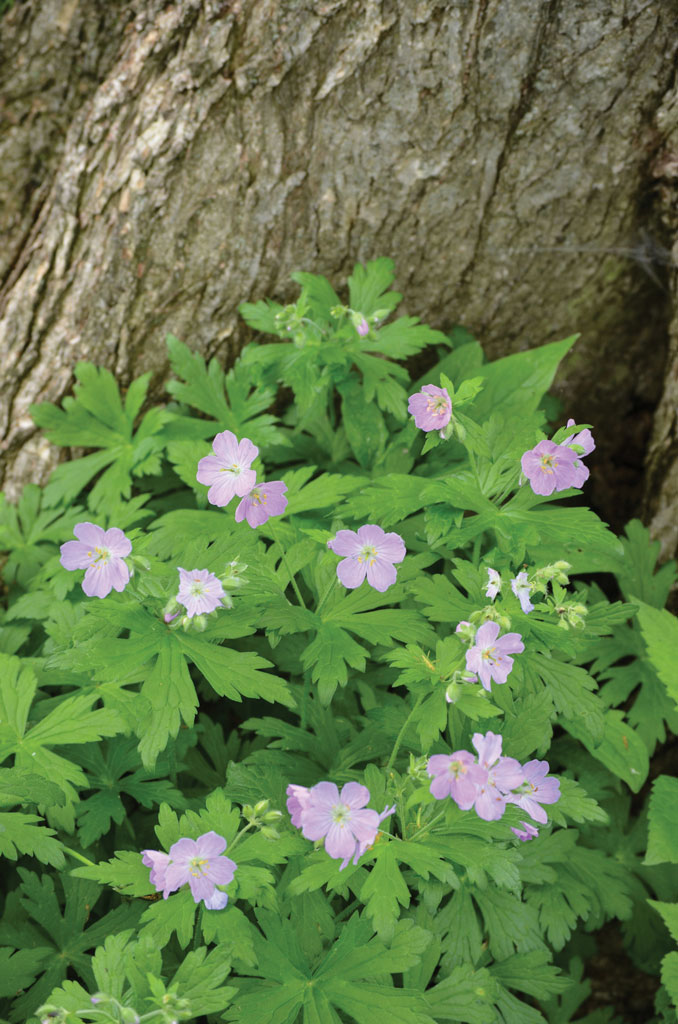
pixel 494 584
pixel 502 774
pixel 490 657
pixel 431 407
pixel 262 502
pixel 368 552
pixel 200 862
pixel 199 591
pixel 536 790
pixel 456 775
pixel 341 819
pixel 552 467
pixel 228 472
pixel 102 553
pixel 522 589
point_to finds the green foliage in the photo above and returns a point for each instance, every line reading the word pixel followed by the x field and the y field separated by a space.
pixel 127 723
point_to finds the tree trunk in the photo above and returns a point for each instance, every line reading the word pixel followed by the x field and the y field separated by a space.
pixel 160 163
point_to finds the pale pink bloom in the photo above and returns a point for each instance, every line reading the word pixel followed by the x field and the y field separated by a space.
pixel 368 552
pixel 431 407
pixel 536 790
pixel 522 589
pixel 456 775
pixel 494 585
pixel 490 656
pixel 341 819
pixel 262 502
pixel 102 553
pixel 228 472
pixel 526 833
pixel 199 591
pixel 503 775
pixel 363 328
pixel 551 467
pixel 196 861
pixel 298 798
pixel 585 440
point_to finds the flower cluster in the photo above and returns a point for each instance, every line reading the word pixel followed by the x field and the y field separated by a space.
pixel 553 467
pixel 368 552
pixel 520 585
pixel 341 819
pixel 200 862
pixel 228 473
pixel 488 782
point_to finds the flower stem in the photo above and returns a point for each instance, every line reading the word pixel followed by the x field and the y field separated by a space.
pixel 79 856
pixel 283 556
pixel 401 734
pixel 327 593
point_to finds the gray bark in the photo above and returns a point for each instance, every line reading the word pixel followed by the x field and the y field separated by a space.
pixel 161 163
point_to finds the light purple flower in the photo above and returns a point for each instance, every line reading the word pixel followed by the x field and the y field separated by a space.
pixel 456 775
pixel 503 775
pixel 489 658
pixel 494 585
pixel 527 832
pixel 297 801
pixel 262 502
pixel 363 328
pixel 199 591
pixel 431 407
pixel 340 819
pixel 228 472
pixel 584 439
pixel 101 552
pixel 196 861
pixel 551 467
pixel 368 552
pixel 536 790
pixel 522 589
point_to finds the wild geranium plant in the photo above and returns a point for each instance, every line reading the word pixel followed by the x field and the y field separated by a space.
pixel 324 715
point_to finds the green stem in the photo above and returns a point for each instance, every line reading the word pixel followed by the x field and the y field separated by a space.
pixel 327 593
pixel 79 856
pixel 241 833
pixel 401 734
pixel 276 538
pixel 303 721
pixel 427 825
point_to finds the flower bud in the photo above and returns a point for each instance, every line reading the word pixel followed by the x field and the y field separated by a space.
pixel 453 693
pixel 128 1015
pixel 270 833
pixel 261 806
pixel 273 816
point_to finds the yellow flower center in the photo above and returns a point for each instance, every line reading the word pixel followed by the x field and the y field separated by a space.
pixel 368 554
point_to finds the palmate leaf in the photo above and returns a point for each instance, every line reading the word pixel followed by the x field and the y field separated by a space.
pixel 467 995
pixel 97 418
pixel 24 833
pixel 620 749
pixel 368 287
pixel 30 534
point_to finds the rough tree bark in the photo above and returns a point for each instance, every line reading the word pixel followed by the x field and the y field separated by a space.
pixel 160 163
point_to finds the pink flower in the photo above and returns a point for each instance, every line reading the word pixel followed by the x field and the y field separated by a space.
pixel 368 552
pixel 341 820
pixel 101 553
pixel 297 801
pixel 228 471
pixel 456 775
pixel 196 861
pixel 494 585
pixel 431 407
pixel 536 790
pixel 584 439
pixel 522 589
pixel 551 467
pixel 262 502
pixel 489 658
pixel 503 775
pixel 363 328
pixel 526 833
pixel 199 591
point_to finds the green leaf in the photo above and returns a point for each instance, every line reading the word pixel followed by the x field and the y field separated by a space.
pixel 662 818
pixel 669 913
pixel 660 633
pixel 384 890
pixel 19 968
pixel 368 287
pixel 466 995
pixel 670 976
pixel 621 749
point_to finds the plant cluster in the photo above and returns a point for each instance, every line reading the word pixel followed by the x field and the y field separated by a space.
pixel 325 715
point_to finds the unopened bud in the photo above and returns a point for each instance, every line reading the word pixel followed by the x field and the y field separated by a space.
pixel 270 833
pixel 453 693
pixel 128 1015
pixel 273 816
pixel 261 806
